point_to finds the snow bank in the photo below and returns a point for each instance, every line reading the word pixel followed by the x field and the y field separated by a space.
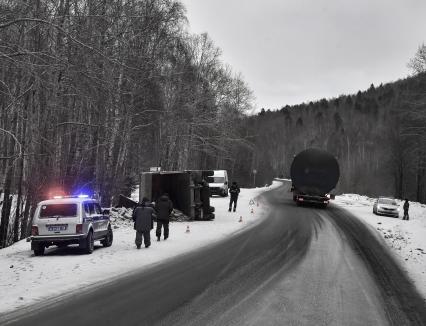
pixel 407 239
pixel 26 279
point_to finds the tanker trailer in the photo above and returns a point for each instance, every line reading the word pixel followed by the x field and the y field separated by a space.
pixel 314 173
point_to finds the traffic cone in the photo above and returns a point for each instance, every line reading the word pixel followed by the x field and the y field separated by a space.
pixel 241 219
pixel 252 211
pixel 187 229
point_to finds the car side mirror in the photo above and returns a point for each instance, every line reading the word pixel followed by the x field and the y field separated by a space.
pixel 226 182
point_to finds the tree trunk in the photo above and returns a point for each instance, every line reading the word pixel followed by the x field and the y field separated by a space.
pixel 5 212
pixel 18 202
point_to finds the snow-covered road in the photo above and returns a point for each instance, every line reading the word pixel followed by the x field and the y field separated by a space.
pixel 298 266
pixel 26 279
pixel 406 239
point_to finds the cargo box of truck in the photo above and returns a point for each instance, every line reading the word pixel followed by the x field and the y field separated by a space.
pixel 187 190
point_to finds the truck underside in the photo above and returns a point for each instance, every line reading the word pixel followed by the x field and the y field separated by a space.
pixel 302 198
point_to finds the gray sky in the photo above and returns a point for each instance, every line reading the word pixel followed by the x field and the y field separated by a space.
pixel 293 51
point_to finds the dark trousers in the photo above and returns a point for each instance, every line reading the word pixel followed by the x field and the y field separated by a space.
pixel 233 200
pixel 406 217
pixel 165 225
pixel 146 235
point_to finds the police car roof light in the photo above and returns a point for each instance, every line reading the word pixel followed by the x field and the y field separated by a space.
pixel 72 196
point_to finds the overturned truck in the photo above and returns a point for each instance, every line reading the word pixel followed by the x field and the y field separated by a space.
pixel 187 190
pixel 314 173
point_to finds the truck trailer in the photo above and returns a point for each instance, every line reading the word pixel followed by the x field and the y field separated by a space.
pixel 314 173
pixel 187 189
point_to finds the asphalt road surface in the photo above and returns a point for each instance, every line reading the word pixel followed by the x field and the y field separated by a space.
pixel 300 266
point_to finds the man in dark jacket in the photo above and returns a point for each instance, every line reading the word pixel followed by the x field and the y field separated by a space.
pixel 143 216
pixel 406 207
pixel 234 190
pixel 163 207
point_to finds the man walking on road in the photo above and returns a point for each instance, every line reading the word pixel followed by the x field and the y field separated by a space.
pixel 143 216
pixel 163 207
pixel 406 207
pixel 234 190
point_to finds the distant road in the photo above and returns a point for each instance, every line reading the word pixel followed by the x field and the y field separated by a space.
pixel 300 266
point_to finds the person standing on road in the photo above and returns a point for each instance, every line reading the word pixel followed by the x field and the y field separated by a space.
pixel 163 207
pixel 406 207
pixel 234 191
pixel 143 216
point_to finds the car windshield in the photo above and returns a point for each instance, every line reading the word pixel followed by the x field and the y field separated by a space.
pixel 215 179
pixel 387 201
pixel 58 210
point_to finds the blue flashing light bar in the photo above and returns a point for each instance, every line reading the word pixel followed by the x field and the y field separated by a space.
pixel 72 196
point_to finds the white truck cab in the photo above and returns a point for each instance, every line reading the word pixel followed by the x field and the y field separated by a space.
pixel 70 220
pixel 218 183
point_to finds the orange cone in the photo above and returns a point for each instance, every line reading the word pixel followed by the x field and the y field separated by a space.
pixel 187 229
pixel 241 219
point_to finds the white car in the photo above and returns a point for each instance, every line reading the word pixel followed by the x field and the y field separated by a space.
pixel 70 220
pixel 386 206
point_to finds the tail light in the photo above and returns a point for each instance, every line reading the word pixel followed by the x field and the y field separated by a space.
pixel 79 228
pixel 300 198
pixel 34 230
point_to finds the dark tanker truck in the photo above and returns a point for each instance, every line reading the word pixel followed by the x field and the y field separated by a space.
pixel 314 173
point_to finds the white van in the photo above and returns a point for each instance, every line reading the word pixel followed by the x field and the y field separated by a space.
pixel 218 183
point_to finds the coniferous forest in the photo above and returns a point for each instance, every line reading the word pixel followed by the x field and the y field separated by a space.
pixel 92 93
pixel 377 135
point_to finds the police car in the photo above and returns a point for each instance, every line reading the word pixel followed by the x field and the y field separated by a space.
pixel 66 220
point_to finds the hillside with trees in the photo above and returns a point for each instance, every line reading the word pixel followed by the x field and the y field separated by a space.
pixel 377 135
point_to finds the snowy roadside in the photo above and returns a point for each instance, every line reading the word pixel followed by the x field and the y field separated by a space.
pixel 26 279
pixel 407 239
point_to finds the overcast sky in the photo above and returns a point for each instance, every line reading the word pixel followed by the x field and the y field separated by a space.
pixel 293 51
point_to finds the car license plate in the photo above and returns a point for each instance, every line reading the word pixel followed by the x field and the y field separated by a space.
pixel 56 228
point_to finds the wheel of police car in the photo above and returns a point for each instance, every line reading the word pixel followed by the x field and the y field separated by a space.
pixel 90 243
pixel 39 250
pixel 107 242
